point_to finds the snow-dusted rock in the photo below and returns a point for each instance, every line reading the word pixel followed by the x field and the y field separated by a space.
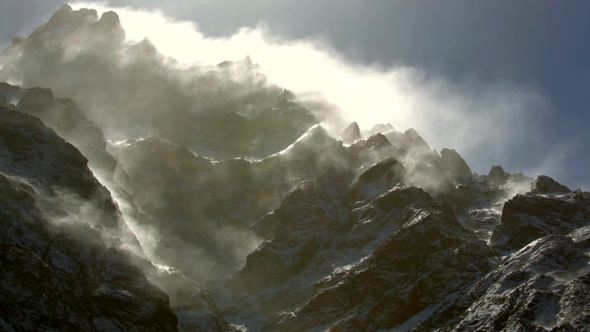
pixel 408 277
pixel 531 216
pixel 543 286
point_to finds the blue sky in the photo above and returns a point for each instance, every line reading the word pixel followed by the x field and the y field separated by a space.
pixel 540 44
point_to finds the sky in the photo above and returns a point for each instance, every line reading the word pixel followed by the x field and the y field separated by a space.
pixel 540 46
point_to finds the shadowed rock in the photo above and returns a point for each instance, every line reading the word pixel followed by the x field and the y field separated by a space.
pixel 546 185
pixel 529 216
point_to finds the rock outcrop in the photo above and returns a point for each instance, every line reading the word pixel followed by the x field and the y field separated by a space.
pixel 530 216
pixel 351 133
pixel 543 286
pixel 546 185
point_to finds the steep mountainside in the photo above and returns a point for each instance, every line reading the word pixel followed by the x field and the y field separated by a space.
pixel 65 258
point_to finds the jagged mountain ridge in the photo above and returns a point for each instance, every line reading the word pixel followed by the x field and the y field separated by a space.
pixel 313 234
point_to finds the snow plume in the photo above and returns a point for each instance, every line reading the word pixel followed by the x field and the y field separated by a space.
pixel 95 219
pixel 467 115
pixel 153 69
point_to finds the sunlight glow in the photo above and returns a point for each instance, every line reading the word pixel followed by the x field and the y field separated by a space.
pixel 364 94
pixel 464 115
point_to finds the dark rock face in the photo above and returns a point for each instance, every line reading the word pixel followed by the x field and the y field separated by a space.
pixel 546 185
pixel 53 280
pixel 63 271
pixel 31 150
pixel 528 217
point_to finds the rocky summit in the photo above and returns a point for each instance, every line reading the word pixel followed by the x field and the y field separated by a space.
pixel 149 198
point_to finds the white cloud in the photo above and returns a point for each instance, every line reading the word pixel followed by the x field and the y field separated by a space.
pixel 481 120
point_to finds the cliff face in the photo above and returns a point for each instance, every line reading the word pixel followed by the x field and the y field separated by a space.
pixel 249 215
pixel 65 266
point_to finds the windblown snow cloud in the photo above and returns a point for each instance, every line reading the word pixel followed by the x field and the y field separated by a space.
pixel 488 122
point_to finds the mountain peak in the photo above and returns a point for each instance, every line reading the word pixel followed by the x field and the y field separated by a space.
pixel 351 133
pixel 546 185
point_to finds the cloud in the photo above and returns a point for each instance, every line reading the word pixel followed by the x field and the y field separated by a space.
pixel 488 122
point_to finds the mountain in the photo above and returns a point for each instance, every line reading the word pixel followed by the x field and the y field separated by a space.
pixel 139 196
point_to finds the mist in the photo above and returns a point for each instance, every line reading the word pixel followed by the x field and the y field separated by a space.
pixel 465 115
pixel 177 106
pixel 268 183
